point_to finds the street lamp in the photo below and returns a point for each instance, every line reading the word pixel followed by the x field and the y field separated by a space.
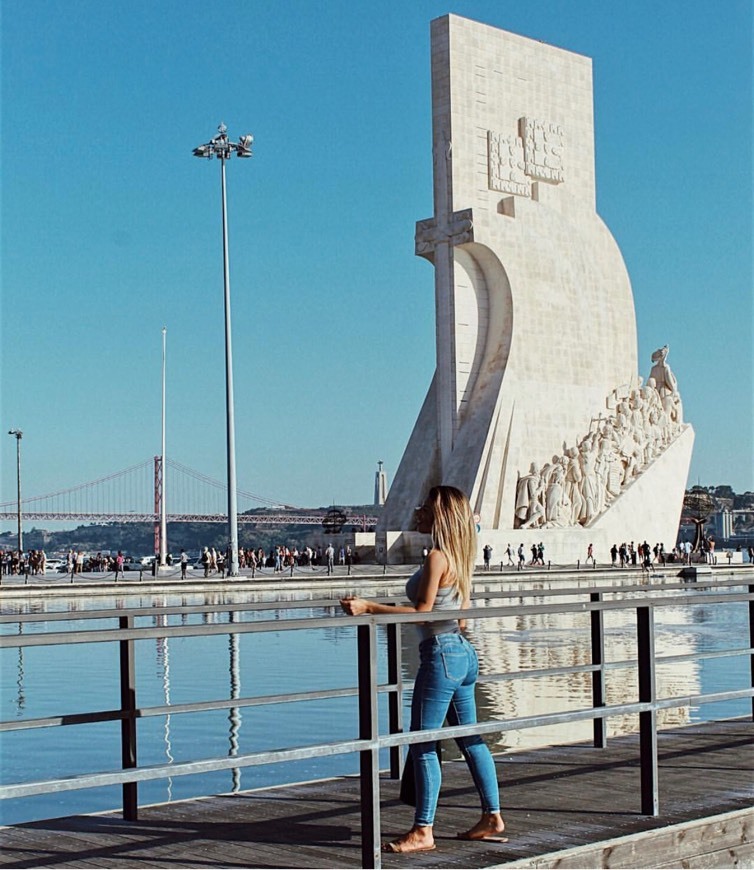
pixel 222 148
pixel 19 435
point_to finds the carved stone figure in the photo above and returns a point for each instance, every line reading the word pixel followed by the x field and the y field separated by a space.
pixel 556 509
pixel 666 385
pixel 529 506
pixel 573 479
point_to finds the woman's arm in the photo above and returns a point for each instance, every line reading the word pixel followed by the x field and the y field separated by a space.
pixel 354 606
pixel 465 606
pixel 433 571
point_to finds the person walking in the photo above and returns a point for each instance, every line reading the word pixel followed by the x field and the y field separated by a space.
pixel 330 554
pixel 184 564
pixel 589 554
pixel 448 669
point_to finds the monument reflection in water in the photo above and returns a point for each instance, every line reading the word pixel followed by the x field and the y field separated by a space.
pixel 45 681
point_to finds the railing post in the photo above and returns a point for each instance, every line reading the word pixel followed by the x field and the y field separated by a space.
pixel 369 761
pixel 650 801
pixel 597 619
pixel 395 698
pixel 128 723
pixel 751 642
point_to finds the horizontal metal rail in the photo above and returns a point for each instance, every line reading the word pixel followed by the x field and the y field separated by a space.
pixel 328 603
pixel 370 743
pixel 316 622
pixel 387 741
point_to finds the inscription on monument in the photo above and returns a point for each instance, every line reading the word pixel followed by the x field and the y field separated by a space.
pixel 543 149
pixel 506 164
pixel 537 153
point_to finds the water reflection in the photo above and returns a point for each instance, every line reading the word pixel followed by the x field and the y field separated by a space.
pixel 235 692
pixel 20 689
pixel 163 656
pixel 551 641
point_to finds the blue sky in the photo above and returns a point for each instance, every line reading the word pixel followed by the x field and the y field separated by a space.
pixel 111 229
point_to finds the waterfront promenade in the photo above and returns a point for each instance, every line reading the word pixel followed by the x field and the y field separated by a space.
pixel 342 576
pixel 568 806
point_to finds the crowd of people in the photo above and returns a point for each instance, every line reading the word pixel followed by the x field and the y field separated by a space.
pixel 279 558
pixel 35 562
pixel 625 555
pixel 13 562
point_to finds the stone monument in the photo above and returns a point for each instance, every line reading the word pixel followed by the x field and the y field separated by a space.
pixel 536 409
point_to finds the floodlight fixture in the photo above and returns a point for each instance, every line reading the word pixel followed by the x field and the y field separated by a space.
pixel 220 146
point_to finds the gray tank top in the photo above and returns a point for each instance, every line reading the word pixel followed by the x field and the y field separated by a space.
pixel 447 599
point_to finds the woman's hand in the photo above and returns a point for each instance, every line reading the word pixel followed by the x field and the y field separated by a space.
pixel 354 606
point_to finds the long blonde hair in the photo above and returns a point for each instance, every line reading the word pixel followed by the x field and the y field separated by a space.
pixel 454 534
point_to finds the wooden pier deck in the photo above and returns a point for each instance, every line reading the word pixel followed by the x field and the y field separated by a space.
pixel 573 806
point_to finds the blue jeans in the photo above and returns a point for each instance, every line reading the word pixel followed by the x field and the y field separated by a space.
pixel 444 688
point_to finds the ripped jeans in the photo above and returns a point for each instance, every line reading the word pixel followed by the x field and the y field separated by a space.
pixel 444 688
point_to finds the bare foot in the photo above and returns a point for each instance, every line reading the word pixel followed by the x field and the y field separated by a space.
pixel 418 839
pixel 490 827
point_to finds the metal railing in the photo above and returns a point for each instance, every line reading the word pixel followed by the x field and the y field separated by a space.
pixel 370 742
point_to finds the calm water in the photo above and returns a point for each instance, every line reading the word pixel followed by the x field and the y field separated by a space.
pixel 47 681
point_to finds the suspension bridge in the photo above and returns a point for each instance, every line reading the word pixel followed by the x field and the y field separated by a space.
pixel 135 495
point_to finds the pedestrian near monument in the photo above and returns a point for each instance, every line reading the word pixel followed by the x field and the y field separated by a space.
pixel 509 554
pixel 184 564
pixel 119 560
pixel 589 554
pixel 448 669
pixel 330 555
pixel 487 553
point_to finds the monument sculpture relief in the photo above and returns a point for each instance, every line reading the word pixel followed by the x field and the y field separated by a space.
pixel 583 481
pixel 536 425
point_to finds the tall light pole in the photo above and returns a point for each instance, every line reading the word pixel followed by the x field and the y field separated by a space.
pixel 163 507
pixel 19 435
pixel 222 148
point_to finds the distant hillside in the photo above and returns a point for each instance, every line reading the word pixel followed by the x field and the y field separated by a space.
pixel 137 539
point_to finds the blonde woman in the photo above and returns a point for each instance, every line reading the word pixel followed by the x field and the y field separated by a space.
pixel 444 686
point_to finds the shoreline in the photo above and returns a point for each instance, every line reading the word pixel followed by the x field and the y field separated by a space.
pixel 14 587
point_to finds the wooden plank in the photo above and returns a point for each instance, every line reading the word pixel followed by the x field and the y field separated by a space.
pixel 715 841
pixel 572 806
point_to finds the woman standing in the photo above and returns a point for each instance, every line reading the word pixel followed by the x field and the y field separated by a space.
pixel 448 670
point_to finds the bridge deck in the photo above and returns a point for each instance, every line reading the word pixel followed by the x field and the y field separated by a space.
pixel 572 806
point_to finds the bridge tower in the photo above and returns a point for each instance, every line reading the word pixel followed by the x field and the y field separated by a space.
pixel 157 503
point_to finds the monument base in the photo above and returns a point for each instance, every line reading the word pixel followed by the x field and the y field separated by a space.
pixel 696 572
pixel 635 516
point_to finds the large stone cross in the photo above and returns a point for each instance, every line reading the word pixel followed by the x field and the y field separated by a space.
pixel 435 239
